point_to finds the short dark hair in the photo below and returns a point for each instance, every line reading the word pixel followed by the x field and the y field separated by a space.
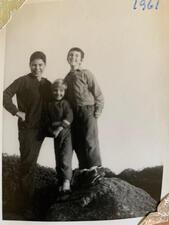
pixel 38 55
pixel 78 50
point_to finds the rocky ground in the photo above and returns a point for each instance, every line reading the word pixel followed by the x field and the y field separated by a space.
pixel 111 197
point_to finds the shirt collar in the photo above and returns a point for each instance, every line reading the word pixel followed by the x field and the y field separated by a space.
pixel 33 77
pixel 77 70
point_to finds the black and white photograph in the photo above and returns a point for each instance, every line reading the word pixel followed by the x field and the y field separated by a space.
pixel 85 110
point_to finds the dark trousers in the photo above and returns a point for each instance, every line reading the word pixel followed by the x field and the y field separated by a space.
pixel 63 155
pixel 30 145
pixel 85 137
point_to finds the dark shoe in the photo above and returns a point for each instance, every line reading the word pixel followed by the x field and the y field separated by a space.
pixel 90 177
pixel 94 176
pixel 63 196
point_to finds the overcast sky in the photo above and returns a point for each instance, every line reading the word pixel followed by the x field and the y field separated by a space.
pixel 128 52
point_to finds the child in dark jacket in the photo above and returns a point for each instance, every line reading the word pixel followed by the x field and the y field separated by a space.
pixel 33 92
pixel 60 117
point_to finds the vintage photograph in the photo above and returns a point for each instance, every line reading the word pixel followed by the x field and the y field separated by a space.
pixel 84 110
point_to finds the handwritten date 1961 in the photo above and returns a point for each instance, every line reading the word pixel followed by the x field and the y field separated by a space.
pixel 146 4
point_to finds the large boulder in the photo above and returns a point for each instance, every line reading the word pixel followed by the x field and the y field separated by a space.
pixel 149 179
pixel 13 201
pixel 107 199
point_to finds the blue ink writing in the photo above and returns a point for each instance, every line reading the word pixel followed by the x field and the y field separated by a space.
pixel 135 4
pixel 143 4
pixel 146 4
pixel 157 4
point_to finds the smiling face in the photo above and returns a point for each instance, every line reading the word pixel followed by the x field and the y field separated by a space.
pixel 58 93
pixel 74 58
pixel 37 67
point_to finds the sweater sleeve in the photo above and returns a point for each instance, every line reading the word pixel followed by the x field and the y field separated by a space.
pixel 96 92
pixel 8 94
pixel 46 122
pixel 68 115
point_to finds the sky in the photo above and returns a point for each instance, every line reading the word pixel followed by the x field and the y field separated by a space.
pixel 126 49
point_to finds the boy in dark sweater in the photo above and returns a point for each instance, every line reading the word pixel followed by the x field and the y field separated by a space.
pixel 33 92
pixel 86 99
pixel 59 119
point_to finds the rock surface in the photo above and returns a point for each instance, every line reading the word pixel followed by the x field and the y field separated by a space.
pixel 108 198
pixel 149 179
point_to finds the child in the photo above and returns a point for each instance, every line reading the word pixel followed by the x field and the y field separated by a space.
pixel 60 116
pixel 33 94
pixel 87 102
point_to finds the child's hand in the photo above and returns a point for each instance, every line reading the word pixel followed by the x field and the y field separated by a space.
pixel 57 131
pixel 21 115
pixel 56 124
pixel 96 115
